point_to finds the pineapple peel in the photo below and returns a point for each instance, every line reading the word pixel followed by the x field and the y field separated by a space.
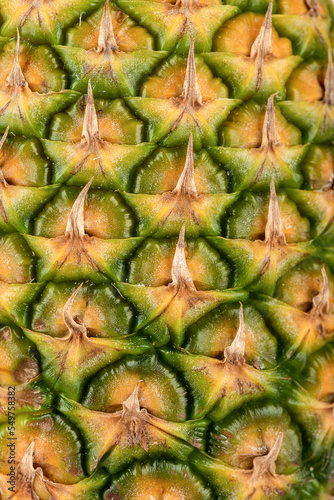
pixel 166 249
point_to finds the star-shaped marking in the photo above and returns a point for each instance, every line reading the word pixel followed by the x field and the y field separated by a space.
pixel 128 35
pixel 110 164
pixel 42 21
pixel 76 255
pixel 259 482
pixel 113 73
pixel 176 24
pixel 172 120
pixel 168 310
pixel 259 74
pixel 100 309
pixel 70 360
pixel 220 385
pixel 118 438
pixel 254 167
pixel 261 263
pixel 164 214
pixel 28 112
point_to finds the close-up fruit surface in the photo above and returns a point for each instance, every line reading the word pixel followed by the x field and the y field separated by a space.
pixel 166 250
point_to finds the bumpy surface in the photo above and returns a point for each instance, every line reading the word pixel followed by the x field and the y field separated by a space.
pixel 166 250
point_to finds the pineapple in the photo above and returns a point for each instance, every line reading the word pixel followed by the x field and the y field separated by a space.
pixel 166 243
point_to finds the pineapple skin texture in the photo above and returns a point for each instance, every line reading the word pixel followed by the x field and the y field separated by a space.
pixel 167 250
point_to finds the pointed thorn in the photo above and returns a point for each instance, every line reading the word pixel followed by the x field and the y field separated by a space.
pixel 274 232
pixel 329 81
pixel 270 137
pixel 191 94
pixel 267 463
pixel 135 419
pixel 29 454
pixel 131 404
pixel 181 277
pixel 26 472
pixel 107 41
pixel 90 129
pixel 325 287
pixel 320 303
pixel 186 183
pixel 274 452
pixel 72 326
pixel 262 47
pixel 75 227
pixel 235 353
pixel 16 78
pixel 4 137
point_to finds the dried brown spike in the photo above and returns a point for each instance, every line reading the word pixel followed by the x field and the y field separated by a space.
pixel 90 129
pixel 16 79
pixel 75 227
pixel 26 475
pixel 235 353
pixel 73 326
pixel 135 419
pixel 267 464
pixel 191 96
pixel 274 232
pixel 181 277
pixel 320 303
pixel 131 404
pixel 262 47
pixel 191 92
pixel 186 183
pixel 329 81
pixel 270 137
pixel 314 9
pixel 26 463
pixel 107 41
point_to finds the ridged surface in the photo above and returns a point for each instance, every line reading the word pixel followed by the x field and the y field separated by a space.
pixel 166 249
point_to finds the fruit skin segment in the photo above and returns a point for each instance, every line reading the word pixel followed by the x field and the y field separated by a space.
pixel 167 250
